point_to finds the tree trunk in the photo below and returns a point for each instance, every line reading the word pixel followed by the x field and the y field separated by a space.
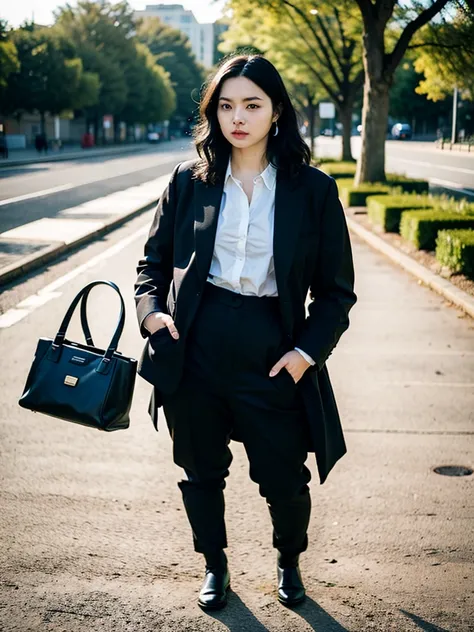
pixel 312 127
pixel 371 163
pixel 345 115
pixel 96 130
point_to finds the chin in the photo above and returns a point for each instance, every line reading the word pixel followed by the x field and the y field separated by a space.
pixel 238 142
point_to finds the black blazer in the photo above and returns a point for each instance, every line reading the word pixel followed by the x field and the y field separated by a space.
pixel 311 252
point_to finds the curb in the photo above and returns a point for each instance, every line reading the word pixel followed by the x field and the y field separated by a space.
pixel 73 156
pixel 32 262
pixel 442 286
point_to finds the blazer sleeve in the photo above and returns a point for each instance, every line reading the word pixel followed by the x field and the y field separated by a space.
pixel 155 269
pixel 332 285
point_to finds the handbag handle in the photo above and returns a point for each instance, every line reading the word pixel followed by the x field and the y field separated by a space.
pixel 83 294
pixel 84 323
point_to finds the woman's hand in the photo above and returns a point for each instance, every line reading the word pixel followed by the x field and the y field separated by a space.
pixel 157 320
pixel 294 363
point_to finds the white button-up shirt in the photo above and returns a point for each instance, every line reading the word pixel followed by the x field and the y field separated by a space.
pixel 242 260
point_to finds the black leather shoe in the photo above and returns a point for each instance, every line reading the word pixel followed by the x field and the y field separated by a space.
pixel 290 586
pixel 213 595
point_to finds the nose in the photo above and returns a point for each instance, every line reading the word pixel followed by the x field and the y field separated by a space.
pixel 238 117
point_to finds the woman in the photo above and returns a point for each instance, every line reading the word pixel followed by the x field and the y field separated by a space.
pixel 239 237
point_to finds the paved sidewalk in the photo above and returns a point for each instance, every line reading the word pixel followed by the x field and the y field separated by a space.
pixel 93 532
pixel 29 246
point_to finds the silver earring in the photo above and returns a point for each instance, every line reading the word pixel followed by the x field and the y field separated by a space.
pixel 276 129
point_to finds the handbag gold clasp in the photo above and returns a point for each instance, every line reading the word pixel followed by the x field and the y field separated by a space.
pixel 70 380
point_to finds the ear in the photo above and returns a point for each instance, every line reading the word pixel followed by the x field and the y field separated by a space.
pixel 277 113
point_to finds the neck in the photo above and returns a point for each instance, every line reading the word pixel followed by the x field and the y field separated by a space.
pixel 251 160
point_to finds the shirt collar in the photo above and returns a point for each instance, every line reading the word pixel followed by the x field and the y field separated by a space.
pixel 269 175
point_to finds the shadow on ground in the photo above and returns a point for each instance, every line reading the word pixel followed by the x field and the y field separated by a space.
pixel 422 624
pixel 237 617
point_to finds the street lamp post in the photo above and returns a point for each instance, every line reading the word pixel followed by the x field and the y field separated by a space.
pixel 455 115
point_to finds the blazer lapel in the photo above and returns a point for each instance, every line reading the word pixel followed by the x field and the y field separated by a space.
pixel 289 208
pixel 206 213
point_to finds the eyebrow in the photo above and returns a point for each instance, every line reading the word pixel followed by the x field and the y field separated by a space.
pixel 246 99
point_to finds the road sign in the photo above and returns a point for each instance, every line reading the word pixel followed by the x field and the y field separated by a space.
pixel 327 110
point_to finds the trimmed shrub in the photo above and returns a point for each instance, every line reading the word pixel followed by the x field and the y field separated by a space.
pixel 455 249
pixel 386 210
pixel 339 169
pixel 408 185
pixel 356 196
pixel 421 227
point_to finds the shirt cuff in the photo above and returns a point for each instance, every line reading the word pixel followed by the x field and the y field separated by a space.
pixel 306 356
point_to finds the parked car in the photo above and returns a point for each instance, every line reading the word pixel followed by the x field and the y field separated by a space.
pixel 401 131
pixel 153 137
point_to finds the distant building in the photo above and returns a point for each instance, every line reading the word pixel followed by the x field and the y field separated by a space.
pixel 201 36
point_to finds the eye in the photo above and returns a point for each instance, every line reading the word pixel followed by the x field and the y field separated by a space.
pixel 253 106
pixel 224 106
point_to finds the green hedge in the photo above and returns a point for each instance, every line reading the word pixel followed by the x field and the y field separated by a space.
pixel 357 196
pixel 408 185
pixel 455 249
pixel 421 227
pixel 339 169
pixel 386 210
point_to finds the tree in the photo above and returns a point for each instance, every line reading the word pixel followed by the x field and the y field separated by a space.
pixel 8 55
pixel 386 23
pixel 101 33
pixel 48 80
pixel 151 97
pixel 307 98
pixel 446 57
pixel 173 52
pixel 409 106
pixel 318 47
pixel 133 87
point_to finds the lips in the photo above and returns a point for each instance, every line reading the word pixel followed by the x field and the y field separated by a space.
pixel 239 134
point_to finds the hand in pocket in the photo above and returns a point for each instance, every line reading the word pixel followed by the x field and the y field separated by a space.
pixel 157 321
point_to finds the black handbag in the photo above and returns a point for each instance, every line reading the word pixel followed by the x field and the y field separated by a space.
pixel 81 383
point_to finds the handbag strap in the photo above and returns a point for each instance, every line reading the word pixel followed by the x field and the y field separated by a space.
pixel 84 322
pixel 83 294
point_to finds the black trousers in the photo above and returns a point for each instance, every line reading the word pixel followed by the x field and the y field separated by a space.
pixel 226 393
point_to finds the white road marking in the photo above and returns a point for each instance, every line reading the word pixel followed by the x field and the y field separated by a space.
pixel 14 315
pixel 452 185
pixel 66 228
pixel 434 165
pixel 53 229
pixel 28 196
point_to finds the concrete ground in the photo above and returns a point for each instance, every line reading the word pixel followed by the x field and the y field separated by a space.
pixel 93 534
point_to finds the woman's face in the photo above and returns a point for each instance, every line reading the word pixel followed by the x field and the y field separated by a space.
pixel 244 107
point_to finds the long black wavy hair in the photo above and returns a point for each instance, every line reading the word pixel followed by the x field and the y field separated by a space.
pixel 287 151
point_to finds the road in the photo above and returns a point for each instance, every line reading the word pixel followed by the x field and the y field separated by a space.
pixel 447 171
pixel 30 192
pixel 92 530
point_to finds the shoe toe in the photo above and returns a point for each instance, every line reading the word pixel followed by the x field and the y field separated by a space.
pixel 290 586
pixel 213 594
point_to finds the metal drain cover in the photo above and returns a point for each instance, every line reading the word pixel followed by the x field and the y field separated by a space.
pixel 453 470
